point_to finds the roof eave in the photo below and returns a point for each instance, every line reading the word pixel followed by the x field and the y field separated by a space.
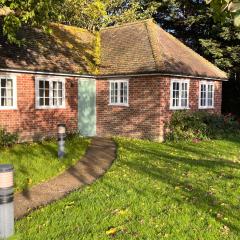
pixel 117 75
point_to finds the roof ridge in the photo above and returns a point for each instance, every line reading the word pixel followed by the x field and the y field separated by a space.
pixel 127 24
pixel 155 44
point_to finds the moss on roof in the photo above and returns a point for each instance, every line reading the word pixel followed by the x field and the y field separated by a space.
pixel 133 48
pixel 67 49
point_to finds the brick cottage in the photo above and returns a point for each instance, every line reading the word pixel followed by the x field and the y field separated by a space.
pixel 125 80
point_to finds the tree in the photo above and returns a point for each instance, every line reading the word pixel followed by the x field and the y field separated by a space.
pixel 224 8
pixel 94 14
pixel 17 13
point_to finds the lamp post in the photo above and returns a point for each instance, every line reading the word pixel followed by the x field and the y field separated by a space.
pixel 6 201
pixel 61 139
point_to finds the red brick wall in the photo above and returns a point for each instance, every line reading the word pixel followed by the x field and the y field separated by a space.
pixel 32 123
pixel 140 119
pixel 148 111
pixel 149 107
pixel 166 113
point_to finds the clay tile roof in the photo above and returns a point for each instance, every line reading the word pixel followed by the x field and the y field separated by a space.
pixel 68 49
pixel 144 47
pixel 133 48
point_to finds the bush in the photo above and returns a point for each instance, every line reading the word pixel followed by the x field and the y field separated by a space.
pixel 7 139
pixel 185 125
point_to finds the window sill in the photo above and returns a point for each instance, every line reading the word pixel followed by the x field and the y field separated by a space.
pixel 118 105
pixel 179 108
pixel 8 108
pixel 49 108
pixel 206 108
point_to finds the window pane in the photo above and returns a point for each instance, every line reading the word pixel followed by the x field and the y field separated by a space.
pixel 41 84
pixel 60 85
pixel 41 93
pixel 3 82
pixel 116 92
pixel 175 86
pixel 54 93
pixel 41 101
pixel 175 94
pixel 3 101
pixel 210 95
pixel 203 95
pixel 47 93
pixel 125 92
pixel 54 85
pixel 60 93
pixel 9 83
pixel 9 102
pixel 112 92
pixel 54 101
pixel 46 101
pixel 121 92
pixel 47 84
pixel 60 102
pixel 3 92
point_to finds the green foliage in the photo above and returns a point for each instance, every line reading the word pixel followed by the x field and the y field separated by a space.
pixel 7 139
pixel 153 191
pixel 186 125
pixel 20 13
pixel 224 8
pixel 94 14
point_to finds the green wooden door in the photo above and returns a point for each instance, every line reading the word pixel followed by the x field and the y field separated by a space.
pixel 87 107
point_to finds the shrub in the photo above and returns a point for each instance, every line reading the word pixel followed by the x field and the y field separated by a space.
pixel 7 139
pixel 185 125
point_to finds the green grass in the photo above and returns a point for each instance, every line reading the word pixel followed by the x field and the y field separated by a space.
pixel 153 191
pixel 37 162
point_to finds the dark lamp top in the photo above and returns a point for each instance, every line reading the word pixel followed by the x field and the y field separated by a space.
pixel 6 168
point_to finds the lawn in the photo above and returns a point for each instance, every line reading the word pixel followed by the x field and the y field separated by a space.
pixel 153 191
pixel 37 162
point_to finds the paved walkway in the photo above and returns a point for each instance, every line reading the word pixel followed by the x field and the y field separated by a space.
pixel 98 158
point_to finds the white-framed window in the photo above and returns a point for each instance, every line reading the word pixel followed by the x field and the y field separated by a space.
pixel 50 92
pixel 179 94
pixel 8 92
pixel 118 92
pixel 206 94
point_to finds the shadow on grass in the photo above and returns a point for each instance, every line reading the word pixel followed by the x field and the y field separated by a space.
pixel 192 192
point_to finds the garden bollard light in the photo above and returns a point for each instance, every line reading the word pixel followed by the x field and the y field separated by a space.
pixel 6 201
pixel 61 139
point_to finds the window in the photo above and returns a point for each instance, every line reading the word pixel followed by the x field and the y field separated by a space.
pixel 119 92
pixel 206 95
pixel 179 94
pixel 8 93
pixel 50 92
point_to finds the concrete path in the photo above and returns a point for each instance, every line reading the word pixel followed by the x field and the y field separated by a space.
pixel 98 158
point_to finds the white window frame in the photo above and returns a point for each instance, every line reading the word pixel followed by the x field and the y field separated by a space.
pixel 50 79
pixel 207 83
pixel 180 81
pixel 118 94
pixel 14 79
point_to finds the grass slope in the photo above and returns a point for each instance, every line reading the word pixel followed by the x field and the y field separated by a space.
pixel 37 162
pixel 153 191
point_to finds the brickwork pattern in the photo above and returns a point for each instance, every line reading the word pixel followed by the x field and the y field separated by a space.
pixel 32 123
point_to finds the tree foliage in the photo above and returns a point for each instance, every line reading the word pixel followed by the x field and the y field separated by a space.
pixel 94 14
pixel 17 13
pixel 224 8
